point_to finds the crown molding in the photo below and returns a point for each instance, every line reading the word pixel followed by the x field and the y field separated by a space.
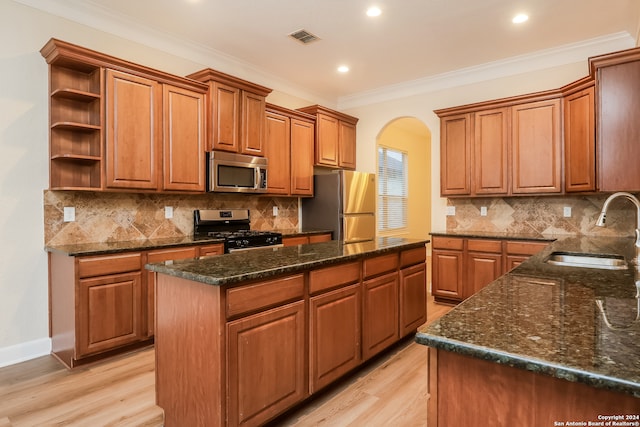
pixel 548 58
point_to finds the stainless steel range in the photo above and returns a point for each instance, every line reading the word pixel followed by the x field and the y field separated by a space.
pixel 234 226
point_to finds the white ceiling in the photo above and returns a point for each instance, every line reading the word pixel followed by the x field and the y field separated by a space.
pixel 411 40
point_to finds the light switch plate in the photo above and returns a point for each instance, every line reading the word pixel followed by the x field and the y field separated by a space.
pixel 168 212
pixel 567 212
pixel 483 211
pixel 451 210
pixel 69 214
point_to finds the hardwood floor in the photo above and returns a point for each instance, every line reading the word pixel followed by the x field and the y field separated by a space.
pixel 392 390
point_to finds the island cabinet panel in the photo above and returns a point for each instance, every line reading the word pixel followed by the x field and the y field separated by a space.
pixel 258 296
pixel 579 141
pixel 327 278
pixel 379 265
pixel 455 155
pixel 379 314
pixel 184 139
pixel 265 364
pixel 133 133
pixel 334 335
pixel 536 144
pixel 413 297
pixel 490 152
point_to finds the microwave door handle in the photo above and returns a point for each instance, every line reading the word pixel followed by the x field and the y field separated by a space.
pixel 256 179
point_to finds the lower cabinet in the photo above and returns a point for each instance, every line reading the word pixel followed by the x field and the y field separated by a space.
pixel 413 297
pixel 463 266
pixel 380 314
pixel 303 240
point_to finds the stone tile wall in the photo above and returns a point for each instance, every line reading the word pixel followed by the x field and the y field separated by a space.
pixel 543 215
pixel 106 217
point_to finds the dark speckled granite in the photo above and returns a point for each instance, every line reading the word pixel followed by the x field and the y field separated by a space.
pixel 84 249
pixel 263 263
pixel 546 319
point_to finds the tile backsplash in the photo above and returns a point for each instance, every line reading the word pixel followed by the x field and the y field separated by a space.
pixel 107 217
pixel 543 215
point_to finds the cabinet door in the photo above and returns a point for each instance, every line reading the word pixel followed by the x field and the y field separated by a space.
pixel 482 269
pixel 109 312
pixel 347 145
pixel 455 155
pixel 225 103
pixel 209 250
pixel 618 127
pixel 133 133
pixel 536 147
pixel 317 238
pixel 579 142
pixel 327 137
pixel 253 122
pixel 150 289
pixel 334 336
pixel 266 364
pixel 302 147
pixel 184 143
pixel 295 241
pixel 413 298
pixel 447 274
pixel 380 314
pixel 490 156
pixel 277 149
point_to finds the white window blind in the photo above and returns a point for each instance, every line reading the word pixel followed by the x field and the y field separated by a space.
pixel 392 189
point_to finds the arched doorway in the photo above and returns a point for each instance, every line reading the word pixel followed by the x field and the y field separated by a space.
pixel 411 136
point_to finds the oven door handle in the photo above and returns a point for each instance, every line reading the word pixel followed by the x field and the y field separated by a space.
pixel 256 178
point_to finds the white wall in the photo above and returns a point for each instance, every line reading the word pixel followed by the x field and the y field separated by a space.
pixel 24 148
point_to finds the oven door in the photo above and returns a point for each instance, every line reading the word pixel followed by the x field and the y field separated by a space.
pixel 236 173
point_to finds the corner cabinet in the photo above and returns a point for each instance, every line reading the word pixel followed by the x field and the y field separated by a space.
pixel 335 142
pixel 120 126
pixel 289 147
pixel 236 111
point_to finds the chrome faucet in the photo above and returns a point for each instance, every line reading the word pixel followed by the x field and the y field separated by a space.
pixel 603 217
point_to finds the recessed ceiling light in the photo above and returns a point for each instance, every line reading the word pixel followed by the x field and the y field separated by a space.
pixel 520 18
pixel 374 11
pixel 343 69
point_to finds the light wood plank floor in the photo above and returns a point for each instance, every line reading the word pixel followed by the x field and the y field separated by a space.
pixel 120 392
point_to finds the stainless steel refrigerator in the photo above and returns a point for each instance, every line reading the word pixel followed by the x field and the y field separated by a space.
pixel 345 203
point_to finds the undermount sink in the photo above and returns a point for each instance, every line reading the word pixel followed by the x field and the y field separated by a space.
pixel 587 260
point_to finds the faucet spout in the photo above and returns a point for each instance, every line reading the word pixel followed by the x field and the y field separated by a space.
pixel 602 218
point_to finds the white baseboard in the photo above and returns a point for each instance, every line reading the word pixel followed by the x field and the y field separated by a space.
pixel 24 351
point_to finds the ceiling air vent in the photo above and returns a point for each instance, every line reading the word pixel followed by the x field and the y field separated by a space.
pixel 304 36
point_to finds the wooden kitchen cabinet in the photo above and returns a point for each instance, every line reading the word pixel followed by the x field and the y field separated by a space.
pixel 335 138
pixel 455 155
pixel 483 264
pixel 447 265
pixel 289 149
pixel 236 111
pixel 490 161
pixel 303 240
pixel 209 250
pixel 536 145
pixel 413 297
pixel 184 139
pixel 519 251
pixel 265 364
pixel 579 139
pixel 618 129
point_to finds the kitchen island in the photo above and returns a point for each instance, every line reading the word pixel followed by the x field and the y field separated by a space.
pixel 544 345
pixel 242 337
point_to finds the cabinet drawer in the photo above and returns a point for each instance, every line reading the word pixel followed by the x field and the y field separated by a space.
pixel 525 248
pixel 412 256
pixel 448 243
pixel 169 254
pixel 109 264
pixel 317 238
pixel 208 250
pixel 380 264
pixel 482 245
pixel 333 277
pixel 246 299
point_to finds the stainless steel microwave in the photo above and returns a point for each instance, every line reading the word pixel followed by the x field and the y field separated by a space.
pixel 236 173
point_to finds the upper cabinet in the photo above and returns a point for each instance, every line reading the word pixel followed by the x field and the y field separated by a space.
pixel 237 111
pixel 335 144
pixel 618 128
pixel 289 147
pixel 116 125
pixel 579 137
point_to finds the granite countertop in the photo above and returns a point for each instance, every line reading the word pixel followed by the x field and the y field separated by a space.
pixel 578 324
pixel 267 262
pixel 496 235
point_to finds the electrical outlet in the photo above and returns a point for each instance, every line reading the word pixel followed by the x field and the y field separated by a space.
pixel 483 211
pixel 567 212
pixel 275 211
pixel 451 210
pixel 69 214
pixel 168 212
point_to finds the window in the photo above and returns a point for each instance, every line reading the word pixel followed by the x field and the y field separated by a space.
pixel 392 189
